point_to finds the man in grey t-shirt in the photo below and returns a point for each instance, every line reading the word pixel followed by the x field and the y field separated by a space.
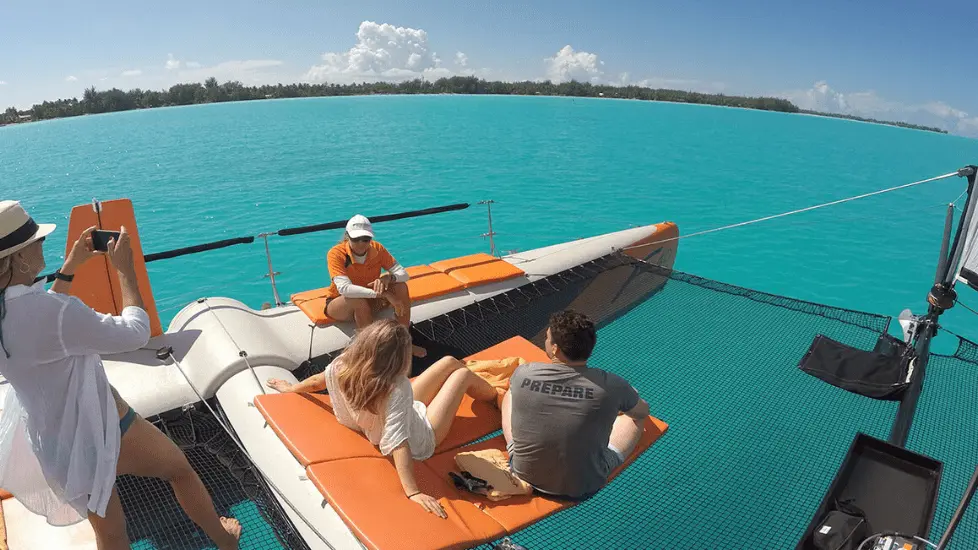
pixel 560 420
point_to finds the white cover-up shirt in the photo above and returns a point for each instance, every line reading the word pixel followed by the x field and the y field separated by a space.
pixel 403 419
pixel 59 403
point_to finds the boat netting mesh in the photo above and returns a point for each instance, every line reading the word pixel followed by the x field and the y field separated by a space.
pixel 155 520
pixel 943 429
pixel 753 442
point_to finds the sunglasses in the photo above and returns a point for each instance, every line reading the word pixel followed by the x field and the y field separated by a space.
pixel 362 239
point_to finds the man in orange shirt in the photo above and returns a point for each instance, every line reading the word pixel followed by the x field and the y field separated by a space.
pixel 358 289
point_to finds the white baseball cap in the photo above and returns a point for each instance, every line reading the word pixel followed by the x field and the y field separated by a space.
pixel 359 226
pixel 18 229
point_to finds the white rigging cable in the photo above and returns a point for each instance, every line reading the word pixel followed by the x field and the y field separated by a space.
pixel 800 210
pixel 231 434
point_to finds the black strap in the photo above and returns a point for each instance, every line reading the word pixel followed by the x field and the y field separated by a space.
pixel 20 235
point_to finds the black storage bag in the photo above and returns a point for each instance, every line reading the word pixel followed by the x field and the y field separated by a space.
pixel 844 528
pixel 879 374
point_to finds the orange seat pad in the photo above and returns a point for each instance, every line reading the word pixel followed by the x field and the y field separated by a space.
pixel 447 266
pixel 306 425
pixel 367 495
pixel 420 270
pixel 432 285
pixel 313 304
pixel 519 512
pixel 489 272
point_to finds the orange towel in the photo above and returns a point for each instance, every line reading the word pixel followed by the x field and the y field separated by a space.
pixel 497 372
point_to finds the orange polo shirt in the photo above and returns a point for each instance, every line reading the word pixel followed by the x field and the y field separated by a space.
pixel 340 262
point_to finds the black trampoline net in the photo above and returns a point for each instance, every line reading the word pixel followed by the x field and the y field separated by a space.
pixel 753 442
pixel 154 517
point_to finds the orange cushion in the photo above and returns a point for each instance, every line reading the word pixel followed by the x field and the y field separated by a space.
pixel 465 261
pixel 489 272
pixel 306 425
pixel 312 303
pixel 420 270
pixel 432 285
pixel 367 495
pixel 516 513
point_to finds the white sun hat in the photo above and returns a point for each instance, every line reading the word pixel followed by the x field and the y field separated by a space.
pixel 18 229
pixel 359 226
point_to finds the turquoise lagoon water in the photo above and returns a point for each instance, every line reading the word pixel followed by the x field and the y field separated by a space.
pixel 558 169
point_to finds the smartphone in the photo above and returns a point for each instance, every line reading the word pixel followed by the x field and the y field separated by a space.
pixel 100 239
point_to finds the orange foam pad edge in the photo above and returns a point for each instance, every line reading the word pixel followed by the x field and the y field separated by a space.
pixel 447 266
pixel 306 425
pixel 96 282
pixel 367 495
pixel 490 272
pixel 313 304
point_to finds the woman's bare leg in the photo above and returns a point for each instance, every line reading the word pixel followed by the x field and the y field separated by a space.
pixel 441 411
pixel 110 531
pixel 344 309
pixel 427 384
pixel 402 312
pixel 146 452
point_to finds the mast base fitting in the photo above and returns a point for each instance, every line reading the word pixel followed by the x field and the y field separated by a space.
pixel 942 297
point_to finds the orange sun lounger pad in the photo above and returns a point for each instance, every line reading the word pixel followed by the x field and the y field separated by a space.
pixel 313 304
pixel 306 425
pixel 367 495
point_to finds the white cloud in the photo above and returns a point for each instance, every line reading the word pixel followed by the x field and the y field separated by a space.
pixel 461 59
pixel 869 104
pixel 171 62
pixel 382 52
pixel 133 72
pixel 193 65
pixel 567 65
pixel 71 78
pixel 3 83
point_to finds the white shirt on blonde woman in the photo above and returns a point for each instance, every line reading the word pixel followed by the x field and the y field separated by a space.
pixel 403 418
pixel 60 418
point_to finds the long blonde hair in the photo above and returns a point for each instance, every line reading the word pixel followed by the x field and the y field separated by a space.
pixel 372 363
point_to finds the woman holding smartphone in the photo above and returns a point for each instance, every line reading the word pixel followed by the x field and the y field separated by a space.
pixel 50 345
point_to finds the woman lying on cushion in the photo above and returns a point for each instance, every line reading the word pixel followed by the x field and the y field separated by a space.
pixel 371 393
pixel 357 289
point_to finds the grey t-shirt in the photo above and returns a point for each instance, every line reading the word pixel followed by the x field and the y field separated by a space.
pixel 561 422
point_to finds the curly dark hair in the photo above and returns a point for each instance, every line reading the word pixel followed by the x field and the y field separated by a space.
pixel 574 334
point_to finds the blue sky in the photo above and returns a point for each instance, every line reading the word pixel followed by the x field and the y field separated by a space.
pixel 896 60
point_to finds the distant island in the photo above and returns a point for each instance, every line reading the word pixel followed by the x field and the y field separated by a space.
pixel 94 101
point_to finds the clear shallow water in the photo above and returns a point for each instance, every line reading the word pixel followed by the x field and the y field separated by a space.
pixel 559 168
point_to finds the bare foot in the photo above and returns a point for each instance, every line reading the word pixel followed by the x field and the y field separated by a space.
pixel 418 351
pixel 233 527
pixel 280 385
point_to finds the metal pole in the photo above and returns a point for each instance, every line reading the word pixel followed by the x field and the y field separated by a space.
pixel 491 233
pixel 271 272
pixel 945 243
